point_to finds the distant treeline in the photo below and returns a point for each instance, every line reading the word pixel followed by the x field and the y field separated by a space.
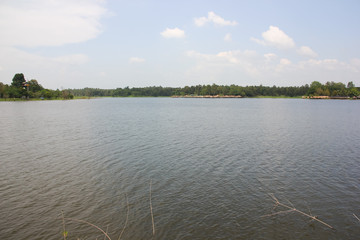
pixel 315 89
pixel 20 88
pixel 198 90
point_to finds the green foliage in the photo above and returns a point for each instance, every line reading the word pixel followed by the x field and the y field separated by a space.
pixel 19 88
pixel 350 85
pixel 15 92
pixel 353 92
pixel 18 80
pixel 3 88
pixel 248 91
pixel 33 89
pixel 34 86
pixel 333 89
pixel 314 87
pixel 65 94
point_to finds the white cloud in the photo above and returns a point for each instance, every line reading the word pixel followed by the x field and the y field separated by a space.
pixel 173 33
pixel 136 60
pixel 228 37
pixel 238 61
pixel 283 65
pixel 355 62
pixel 307 52
pixel 229 56
pixel 49 23
pixel 327 64
pixel 55 70
pixel 102 74
pixel 285 61
pixel 275 37
pixel 269 69
pixel 74 59
pixel 212 17
pixel 201 21
pixel 40 23
pixel 270 56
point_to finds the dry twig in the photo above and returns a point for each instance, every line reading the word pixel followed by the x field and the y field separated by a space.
pixel 293 209
pixel 152 216
pixel 356 217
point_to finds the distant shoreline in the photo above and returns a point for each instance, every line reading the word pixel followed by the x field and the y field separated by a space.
pixel 185 96
pixel 207 96
pixel 331 97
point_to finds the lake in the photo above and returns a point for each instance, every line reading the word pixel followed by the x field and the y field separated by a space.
pixel 211 163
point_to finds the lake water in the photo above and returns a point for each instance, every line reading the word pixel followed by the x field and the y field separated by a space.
pixel 212 164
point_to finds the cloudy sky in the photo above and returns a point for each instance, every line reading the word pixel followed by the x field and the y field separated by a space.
pixel 139 43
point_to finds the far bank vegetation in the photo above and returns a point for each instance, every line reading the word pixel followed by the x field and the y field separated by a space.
pixel 22 89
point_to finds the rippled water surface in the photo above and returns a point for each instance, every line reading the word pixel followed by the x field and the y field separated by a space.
pixel 212 163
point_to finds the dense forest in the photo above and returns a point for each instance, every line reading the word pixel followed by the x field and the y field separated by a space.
pixel 20 88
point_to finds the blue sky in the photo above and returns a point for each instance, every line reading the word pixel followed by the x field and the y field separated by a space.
pixel 110 44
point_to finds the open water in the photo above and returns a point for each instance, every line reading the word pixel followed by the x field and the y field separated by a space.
pixel 212 164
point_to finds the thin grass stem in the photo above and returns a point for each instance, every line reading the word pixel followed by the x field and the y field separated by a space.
pixel 151 211
pixel 93 225
pixel 127 217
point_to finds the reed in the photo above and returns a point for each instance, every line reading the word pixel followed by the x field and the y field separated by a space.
pixel 107 228
pixel 127 217
pixel 151 211
pixel 106 236
pixel 92 225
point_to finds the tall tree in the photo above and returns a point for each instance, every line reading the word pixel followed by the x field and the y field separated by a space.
pixel 18 80
pixel 2 90
pixel 350 85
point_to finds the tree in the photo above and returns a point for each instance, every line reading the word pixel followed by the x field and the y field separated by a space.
pixel 2 90
pixel 353 92
pixel 17 86
pixel 314 87
pixel 350 85
pixel 18 80
pixel 34 86
pixel 205 90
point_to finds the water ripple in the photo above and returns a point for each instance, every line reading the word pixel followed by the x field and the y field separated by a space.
pixel 212 164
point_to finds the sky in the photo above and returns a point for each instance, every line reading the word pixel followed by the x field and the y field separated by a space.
pixel 137 43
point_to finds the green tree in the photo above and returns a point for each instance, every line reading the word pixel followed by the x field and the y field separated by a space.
pixel 2 90
pixel 16 89
pixel 350 85
pixel 315 87
pixel 34 86
pixel 205 90
pixel 14 92
pixel 353 92
pixel 18 80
